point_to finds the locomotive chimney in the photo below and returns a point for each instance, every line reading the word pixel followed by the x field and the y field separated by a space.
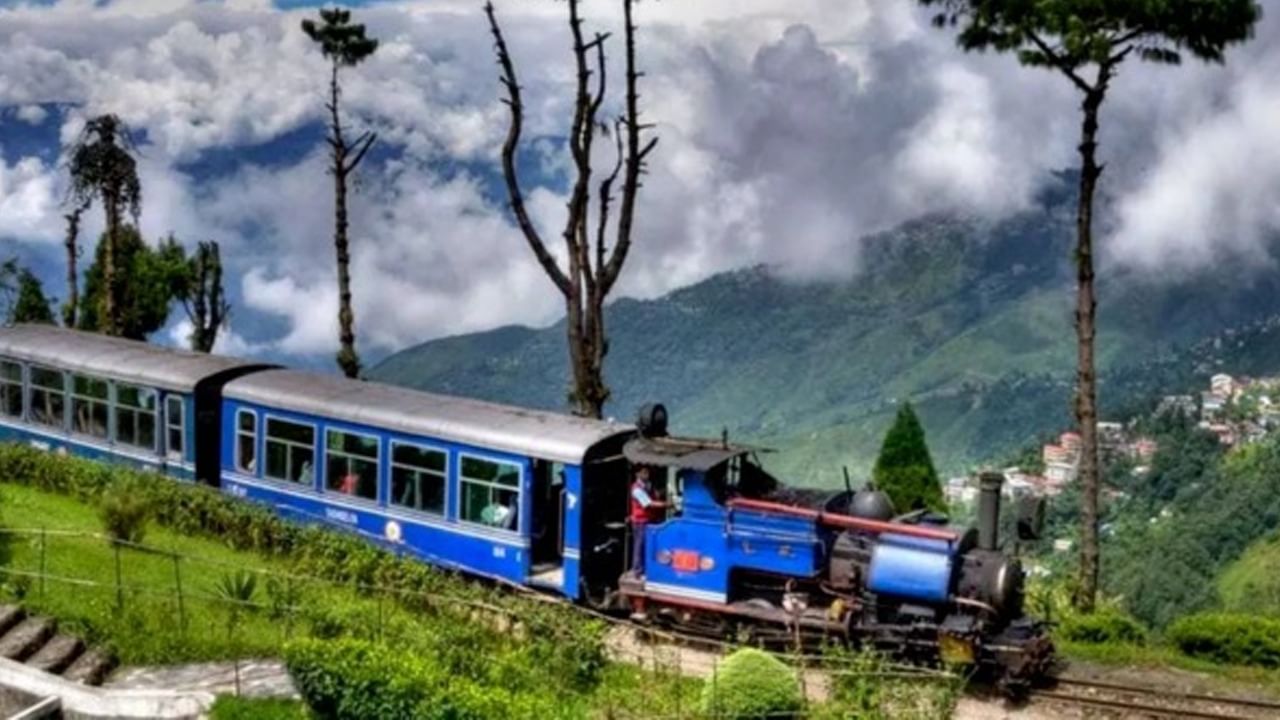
pixel 989 509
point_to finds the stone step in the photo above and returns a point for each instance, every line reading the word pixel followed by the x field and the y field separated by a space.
pixel 23 640
pixel 91 668
pixel 10 615
pixel 57 654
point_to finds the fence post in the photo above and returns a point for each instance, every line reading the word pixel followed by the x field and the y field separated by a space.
pixel 42 560
pixel 177 581
pixel 290 602
pixel 115 546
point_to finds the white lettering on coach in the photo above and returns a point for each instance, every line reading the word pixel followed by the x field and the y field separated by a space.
pixel 342 516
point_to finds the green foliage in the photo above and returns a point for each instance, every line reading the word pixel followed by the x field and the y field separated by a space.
pixel 904 468
pixel 555 641
pixel 148 281
pixel 1069 34
pixel 1252 582
pixel 202 296
pixel 125 510
pixel 339 39
pixel 356 679
pixel 1105 625
pixel 31 305
pixel 751 683
pixel 1164 557
pixel 1228 638
pixel 232 707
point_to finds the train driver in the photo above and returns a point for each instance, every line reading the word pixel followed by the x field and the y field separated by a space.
pixel 646 507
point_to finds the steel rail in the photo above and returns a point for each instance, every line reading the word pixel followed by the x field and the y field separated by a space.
pixel 1156 710
pixel 1197 697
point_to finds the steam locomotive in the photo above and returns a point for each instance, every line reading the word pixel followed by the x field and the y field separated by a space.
pixel 535 498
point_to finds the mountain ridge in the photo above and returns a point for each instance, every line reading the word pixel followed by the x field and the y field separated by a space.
pixel 968 319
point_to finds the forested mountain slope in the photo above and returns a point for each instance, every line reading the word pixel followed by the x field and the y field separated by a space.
pixel 969 320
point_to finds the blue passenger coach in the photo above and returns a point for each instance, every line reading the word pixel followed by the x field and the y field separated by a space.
pixel 112 399
pixel 486 488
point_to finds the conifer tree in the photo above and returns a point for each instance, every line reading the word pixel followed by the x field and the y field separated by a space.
pixel 905 469
pixel 31 306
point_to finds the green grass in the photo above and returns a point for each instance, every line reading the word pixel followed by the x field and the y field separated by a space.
pixel 1252 582
pixel 146 630
pixel 1157 656
pixel 228 707
pixel 142 622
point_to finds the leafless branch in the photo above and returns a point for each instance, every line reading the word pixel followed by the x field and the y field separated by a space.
pixel 635 157
pixel 1059 62
pixel 509 147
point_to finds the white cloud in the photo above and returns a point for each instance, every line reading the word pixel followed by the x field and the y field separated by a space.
pixel 32 114
pixel 1213 192
pixel 789 129
pixel 28 200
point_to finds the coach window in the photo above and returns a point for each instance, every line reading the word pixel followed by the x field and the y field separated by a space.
pixel 11 389
pixel 48 396
pixel 246 442
pixel 418 477
pixel 89 405
pixel 351 464
pixel 136 416
pixel 174 425
pixel 290 451
pixel 490 493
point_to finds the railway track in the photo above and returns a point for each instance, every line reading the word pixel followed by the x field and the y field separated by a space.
pixel 1118 700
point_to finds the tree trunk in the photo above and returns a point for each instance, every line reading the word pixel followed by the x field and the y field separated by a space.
pixel 348 359
pixel 110 303
pixel 73 286
pixel 1086 376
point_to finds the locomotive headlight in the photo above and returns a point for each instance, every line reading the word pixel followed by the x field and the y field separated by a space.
pixel 706 563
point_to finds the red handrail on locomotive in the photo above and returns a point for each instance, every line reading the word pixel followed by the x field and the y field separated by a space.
pixel 845 521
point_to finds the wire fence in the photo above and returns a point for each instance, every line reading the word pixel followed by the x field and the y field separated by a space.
pixel 205 606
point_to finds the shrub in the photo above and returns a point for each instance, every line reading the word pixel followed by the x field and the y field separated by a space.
pixel 751 683
pixel 1102 627
pixel 125 509
pixel 1236 639
pixel 230 707
pixel 356 679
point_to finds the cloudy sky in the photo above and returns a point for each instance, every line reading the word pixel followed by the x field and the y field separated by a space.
pixel 789 129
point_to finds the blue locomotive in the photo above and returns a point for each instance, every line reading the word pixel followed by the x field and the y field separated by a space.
pixel 531 497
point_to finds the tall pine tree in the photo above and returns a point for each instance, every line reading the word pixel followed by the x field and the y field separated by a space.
pixel 31 306
pixel 905 469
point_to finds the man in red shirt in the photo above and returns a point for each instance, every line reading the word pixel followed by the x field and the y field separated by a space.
pixel 646 507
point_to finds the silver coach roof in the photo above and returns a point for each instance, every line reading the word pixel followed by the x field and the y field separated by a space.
pixel 537 433
pixel 128 360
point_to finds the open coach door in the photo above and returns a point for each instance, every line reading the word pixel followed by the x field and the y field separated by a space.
pixel 546 549
pixel 600 511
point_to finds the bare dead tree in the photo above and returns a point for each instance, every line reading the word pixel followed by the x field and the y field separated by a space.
pixel 589 276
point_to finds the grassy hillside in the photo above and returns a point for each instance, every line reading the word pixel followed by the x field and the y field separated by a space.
pixel 969 320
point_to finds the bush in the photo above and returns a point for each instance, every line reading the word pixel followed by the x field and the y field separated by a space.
pixel 230 707
pixel 751 683
pixel 1236 639
pixel 1106 626
pixel 354 679
pixel 125 509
